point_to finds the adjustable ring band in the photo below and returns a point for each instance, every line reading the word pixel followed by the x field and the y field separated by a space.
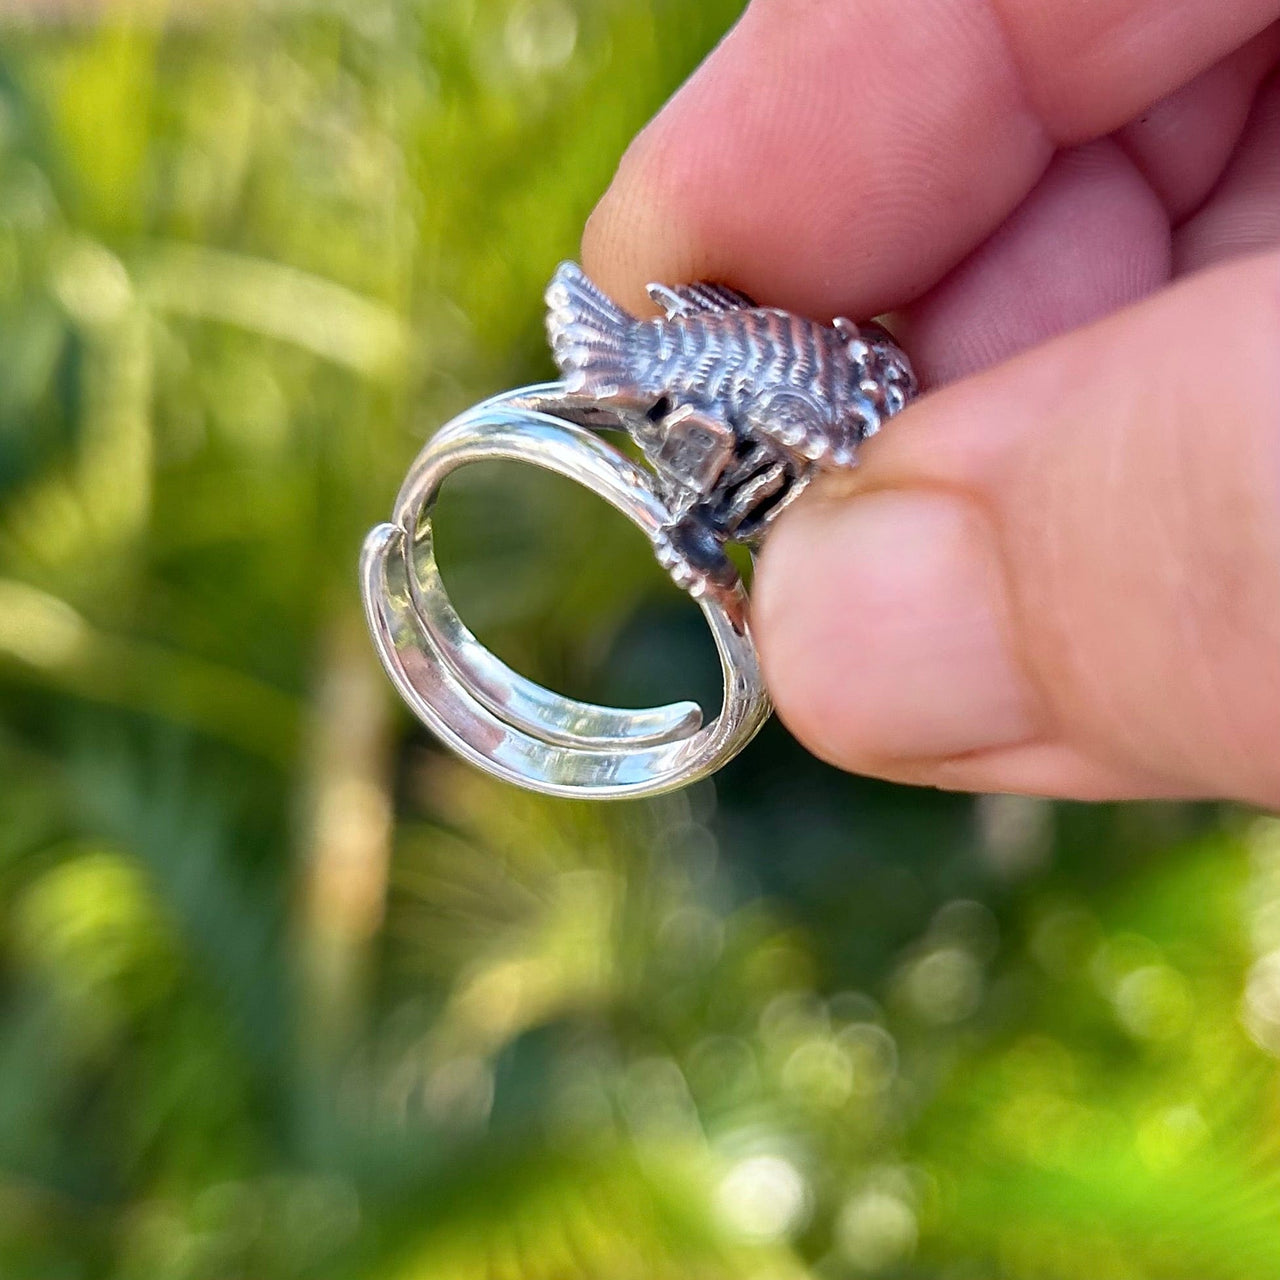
pixel 508 725
pixel 736 408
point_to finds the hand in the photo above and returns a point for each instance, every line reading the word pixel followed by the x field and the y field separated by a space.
pixel 1059 573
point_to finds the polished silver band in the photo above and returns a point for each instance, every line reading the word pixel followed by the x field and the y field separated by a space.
pixel 488 714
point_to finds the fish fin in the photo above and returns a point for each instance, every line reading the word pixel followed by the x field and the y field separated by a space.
pixel 690 299
pixel 786 418
pixel 588 333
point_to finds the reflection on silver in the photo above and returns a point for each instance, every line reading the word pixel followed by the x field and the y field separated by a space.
pixel 736 408
pixel 487 713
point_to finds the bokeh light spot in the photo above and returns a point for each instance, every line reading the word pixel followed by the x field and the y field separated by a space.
pixel 877 1230
pixel 763 1197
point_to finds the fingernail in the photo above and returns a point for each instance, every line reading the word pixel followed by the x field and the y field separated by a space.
pixel 884 628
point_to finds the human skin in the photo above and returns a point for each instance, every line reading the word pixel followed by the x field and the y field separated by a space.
pixel 1058 572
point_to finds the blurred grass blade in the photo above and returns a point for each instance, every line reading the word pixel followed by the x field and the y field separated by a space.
pixel 277 301
pixel 49 637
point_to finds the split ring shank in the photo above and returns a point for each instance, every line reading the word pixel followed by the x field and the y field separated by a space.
pixel 490 715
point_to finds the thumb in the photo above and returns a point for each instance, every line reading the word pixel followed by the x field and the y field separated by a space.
pixel 1060 577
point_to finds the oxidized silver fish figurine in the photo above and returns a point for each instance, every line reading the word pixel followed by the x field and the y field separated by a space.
pixel 737 407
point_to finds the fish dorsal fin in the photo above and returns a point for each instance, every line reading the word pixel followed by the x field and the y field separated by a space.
pixel 689 299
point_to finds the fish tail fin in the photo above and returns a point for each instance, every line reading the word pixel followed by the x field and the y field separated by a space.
pixel 588 334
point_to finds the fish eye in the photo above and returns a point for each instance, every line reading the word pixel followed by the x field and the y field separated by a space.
pixel 859 350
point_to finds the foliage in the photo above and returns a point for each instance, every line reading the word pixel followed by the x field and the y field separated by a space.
pixel 286 993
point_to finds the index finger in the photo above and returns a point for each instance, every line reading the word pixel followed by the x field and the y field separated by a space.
pixel 840 156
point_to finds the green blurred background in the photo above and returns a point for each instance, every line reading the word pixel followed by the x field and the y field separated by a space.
pixel 284 991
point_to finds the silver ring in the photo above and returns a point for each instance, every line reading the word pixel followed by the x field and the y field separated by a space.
pixel 498 720
pixel 735 408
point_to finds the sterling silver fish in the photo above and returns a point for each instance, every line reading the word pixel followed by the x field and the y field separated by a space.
pixel 736 407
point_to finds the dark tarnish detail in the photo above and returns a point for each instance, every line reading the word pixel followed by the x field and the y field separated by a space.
pixel 736 407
